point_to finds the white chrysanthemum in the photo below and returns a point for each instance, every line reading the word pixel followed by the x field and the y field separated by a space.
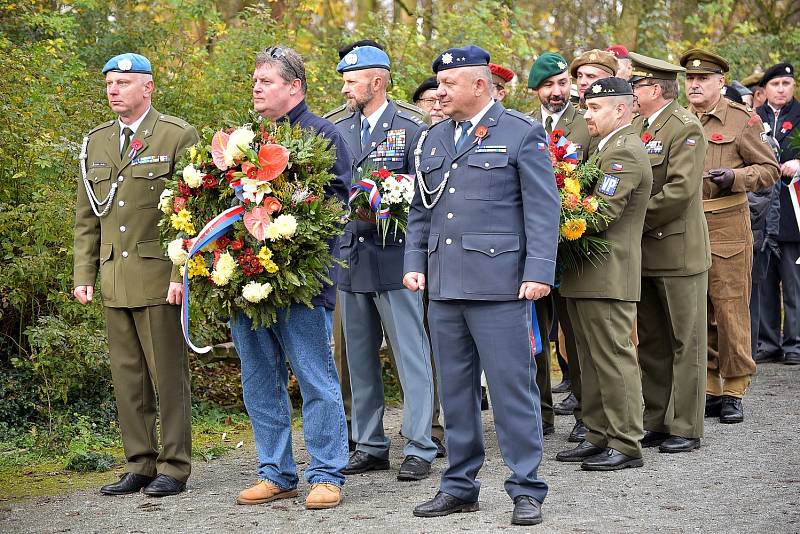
pixel 239 138
pixel 273 232
pixel 192 176
pixel 224 270
pixel 165 201
pixel 255 292
pixel 177 254
pixel 286 225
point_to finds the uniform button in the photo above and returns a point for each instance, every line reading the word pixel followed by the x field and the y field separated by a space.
pixel 152 188
pixel 124 253
pixel 448 241
pixel 491 250
pixel 399 240
pixel 360 239
pixel 486 164
pixel 452 190
pixel 454 166
pixel 358 169
pixel 660 234
pixel 149 174
pixel 122 228
pixel 121 203
pixel 120 178
pixel 449 215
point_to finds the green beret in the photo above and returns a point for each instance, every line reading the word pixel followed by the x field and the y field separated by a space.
pixel 547 65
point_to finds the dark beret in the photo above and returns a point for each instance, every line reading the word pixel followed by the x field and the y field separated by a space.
pixel 467 56
pixel 777 71
pixel 430 83
pixel 611 86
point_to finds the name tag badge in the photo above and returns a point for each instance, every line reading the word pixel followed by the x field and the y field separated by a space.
pixel 494 149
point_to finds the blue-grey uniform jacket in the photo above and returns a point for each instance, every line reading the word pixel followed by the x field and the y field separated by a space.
pixel 496 222
pixel 371 266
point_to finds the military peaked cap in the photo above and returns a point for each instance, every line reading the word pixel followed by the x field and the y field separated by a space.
pixel 698 61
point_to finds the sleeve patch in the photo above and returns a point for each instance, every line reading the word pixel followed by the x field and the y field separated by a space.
pixel 753 120
pixel 690 142
pixel 616 167
pixel 609 185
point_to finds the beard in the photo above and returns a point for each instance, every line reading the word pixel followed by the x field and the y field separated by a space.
pixel 554 106
pixel 356 104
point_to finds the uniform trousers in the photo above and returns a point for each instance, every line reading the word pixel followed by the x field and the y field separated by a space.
pixel 544 317
pixel 398 314
pixel 468 336
pixel 782 284
pixel 729 281
pixel 672 353
pixel 574 365
pixel 610 379
pixel 149 362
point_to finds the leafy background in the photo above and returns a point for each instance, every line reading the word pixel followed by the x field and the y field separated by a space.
pixel 54 376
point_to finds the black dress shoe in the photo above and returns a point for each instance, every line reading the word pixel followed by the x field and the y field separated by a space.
pixel 444 504
pixel 361 462
pixel 567 406
pixel 484 399
pixel 578 433
pixel 563 386
pixel 584 450
pixel 441 451
pixel 548 428
pixel 610 460
pixel 164 485
pixel 128 483
pixel 414 468
pixel 768 357
pixel 731 411
pixel 653 439
pixel 792 358
pixel 713 405
pixel 679 444
pixel 527 511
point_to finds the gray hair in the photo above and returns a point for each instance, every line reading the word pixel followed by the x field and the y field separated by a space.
pixel 669 88
pixel 288 62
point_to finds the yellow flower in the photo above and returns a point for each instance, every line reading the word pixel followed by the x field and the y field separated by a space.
pixel 197 266
pixel 264 254
pixel 571 185
pixel 573 228
pixel 182 221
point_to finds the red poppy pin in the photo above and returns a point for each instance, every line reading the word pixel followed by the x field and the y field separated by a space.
pixel 716 137
pixel 136 146
pixel 647 137
pixel 480 133
pixel 786 126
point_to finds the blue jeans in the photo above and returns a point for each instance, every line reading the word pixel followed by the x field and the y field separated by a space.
pixel 301 335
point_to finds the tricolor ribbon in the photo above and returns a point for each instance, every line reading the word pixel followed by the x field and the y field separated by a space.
pixel 794 194
pixel 215 228
pixel 536 335
pixel 373 195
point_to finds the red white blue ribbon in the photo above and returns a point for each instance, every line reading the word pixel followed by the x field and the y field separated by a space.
pixel 215 228
pixel 536 335
pixel 373 196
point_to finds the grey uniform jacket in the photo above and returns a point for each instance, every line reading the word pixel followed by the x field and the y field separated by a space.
pixel 371 266
pixel 496 223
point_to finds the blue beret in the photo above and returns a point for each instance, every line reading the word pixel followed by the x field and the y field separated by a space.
pixel 128 63
pixel 364 57
pixel 468 56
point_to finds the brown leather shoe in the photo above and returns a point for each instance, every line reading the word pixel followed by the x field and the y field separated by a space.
pixel 323 496
pixel 264 491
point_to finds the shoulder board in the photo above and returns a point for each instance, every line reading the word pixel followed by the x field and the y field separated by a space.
pixel 334 111
pixel 740 107
pixel 411 111
pixel 520 115
pixel 445 121
pixel 682 115
pixel 581 111
pixel 174 120
pixel 342 115
pixel 101 126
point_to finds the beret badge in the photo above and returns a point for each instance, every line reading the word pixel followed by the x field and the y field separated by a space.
pixel 351 59
pixel 447 58
pixel 124 64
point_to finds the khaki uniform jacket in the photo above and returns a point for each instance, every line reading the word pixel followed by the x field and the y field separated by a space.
pixel 626 191
pixel 736 140
pixel 675 240
pixel 575 129
pixel 124 244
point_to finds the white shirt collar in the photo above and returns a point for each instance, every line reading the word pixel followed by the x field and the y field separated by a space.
pixel 606 138
pixel 556 116
pixel 134 127
pixel 474 120
pixel 375 116
pixel 652 118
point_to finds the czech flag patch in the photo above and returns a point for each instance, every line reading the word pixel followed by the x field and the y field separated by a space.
pixel 690 142
pixel 541 147
pixel 616 167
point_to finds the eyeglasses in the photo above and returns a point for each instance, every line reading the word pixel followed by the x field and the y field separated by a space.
pixel 428 101
pixel 637 86
pixel 276 52
pixel 499 87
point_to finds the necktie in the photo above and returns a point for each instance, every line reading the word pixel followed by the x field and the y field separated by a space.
pixel 548 124
pixel 464 126
pixel 646 125
pixel 364 133
pixel 127 132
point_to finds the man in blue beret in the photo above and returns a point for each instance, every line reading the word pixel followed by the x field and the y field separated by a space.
pixel 125 163
pixel 371 293
pixel 482 238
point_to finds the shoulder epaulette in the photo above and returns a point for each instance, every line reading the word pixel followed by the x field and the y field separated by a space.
pixel 445 121
pixel 740 107
pixel 334 111
pixel 683 115
pixel 174 120
pixel 518 114
pixel 342 118
pixel 101 126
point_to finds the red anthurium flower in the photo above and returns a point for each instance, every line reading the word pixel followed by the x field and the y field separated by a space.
pixel 716 137
pixel 786 126
pixel 647 137
pixel 273 160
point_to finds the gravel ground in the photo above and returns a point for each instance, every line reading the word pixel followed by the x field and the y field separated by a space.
pixel 745 478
